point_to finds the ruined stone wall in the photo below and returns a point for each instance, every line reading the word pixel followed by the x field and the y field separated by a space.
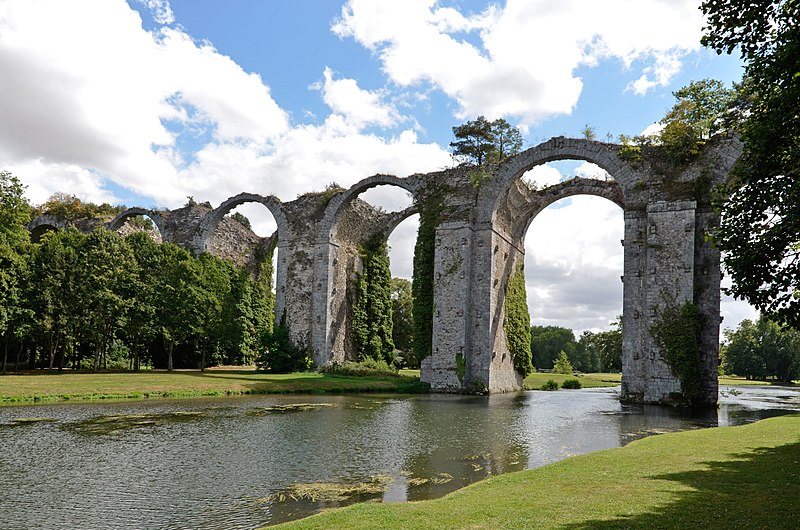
pixel 479 242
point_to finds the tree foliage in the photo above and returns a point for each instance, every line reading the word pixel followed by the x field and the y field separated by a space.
pixel 101 300
pixel 403 318
pixel 517 323
pixel 562 364
pixel 482 141
pixel 760 229
pixel 762 349
pixel 703 109
pixel 372 311
pixel 548 341
pixel 15 211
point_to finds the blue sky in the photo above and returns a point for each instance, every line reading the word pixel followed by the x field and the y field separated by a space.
pixel 146 102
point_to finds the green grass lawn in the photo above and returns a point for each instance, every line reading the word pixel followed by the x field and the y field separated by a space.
pixel 729 477
pixel 56 386
pixel 535 380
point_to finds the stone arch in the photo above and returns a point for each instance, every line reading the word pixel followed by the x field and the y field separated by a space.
pixel 340 261
pixel 45 223
pixel 338 204
pixel 161 223
pixel 212 219
pixel 602 154
pixel 607 189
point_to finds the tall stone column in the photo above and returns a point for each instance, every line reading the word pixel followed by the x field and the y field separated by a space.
pixel 446 369
pixel 634 322
pixel 669 279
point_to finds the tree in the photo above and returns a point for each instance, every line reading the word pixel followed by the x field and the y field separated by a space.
pixel 180 304
pixel 703 109
pixel 482 141
pixel 402 318
pixel 52 292
pixel 547 342
pixel 105 284
pixel 562 364
pixel 759 233
pixel 15 212
pixel 762 349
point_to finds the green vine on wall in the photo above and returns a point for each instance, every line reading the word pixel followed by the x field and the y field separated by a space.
pixel 371 322
pixel 517 324
pixel 677 332
pixel 430 213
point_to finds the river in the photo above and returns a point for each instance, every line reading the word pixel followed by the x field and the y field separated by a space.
pixel 245 462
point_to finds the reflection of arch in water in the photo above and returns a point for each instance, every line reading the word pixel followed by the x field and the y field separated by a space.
pixel 347 224
pixel 45 223
pixel 159 221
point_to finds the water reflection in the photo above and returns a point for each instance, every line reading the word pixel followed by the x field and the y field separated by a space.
pixel 246 462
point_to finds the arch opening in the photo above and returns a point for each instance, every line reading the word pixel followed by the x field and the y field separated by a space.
pixel 40 230
pixel 139 223
pixel 369 226
pixel 574 265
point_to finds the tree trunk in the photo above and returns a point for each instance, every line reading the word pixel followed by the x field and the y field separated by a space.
pixel 97 353
pixel 169 356
pixel 5 352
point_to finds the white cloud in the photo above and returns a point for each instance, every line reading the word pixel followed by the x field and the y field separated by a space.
pixel 357 106
pixel 161 10
pixel 573 261
pixel 525 63
pixel 79 93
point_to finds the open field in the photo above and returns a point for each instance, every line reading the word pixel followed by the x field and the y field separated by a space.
pixel 54 386
pixel 745 477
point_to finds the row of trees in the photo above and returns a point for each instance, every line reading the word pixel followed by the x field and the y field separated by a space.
pixel 592 352
pixel 762 350
pixel 103 300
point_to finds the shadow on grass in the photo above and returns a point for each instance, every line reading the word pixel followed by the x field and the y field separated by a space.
pixel 761 489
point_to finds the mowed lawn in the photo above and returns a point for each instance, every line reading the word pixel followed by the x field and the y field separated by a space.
pixel 728 477
pixel 535 380
pixel 54 386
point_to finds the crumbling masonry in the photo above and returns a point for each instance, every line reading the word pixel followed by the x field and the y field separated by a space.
pixel 479 242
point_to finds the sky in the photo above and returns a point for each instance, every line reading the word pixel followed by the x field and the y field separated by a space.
pixel 148 102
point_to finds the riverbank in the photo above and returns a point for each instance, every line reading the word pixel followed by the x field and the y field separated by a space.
pixel 708 478
pixel 20 389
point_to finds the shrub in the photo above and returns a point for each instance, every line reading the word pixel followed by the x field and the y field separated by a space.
pixel 281 355
pixel 571 384
pixel 550 385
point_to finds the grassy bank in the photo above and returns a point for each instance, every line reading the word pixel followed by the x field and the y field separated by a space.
pixel 744 477
pixel 54 386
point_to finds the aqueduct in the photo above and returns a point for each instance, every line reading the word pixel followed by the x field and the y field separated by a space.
pixel 478 244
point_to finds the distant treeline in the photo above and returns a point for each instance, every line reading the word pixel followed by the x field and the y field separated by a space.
pixel 593 352
pixel 106 301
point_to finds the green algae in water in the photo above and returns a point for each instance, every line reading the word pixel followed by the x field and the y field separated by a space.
pixel 16 422
pixel 104 425
pixel 333 492
pixel 291 407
